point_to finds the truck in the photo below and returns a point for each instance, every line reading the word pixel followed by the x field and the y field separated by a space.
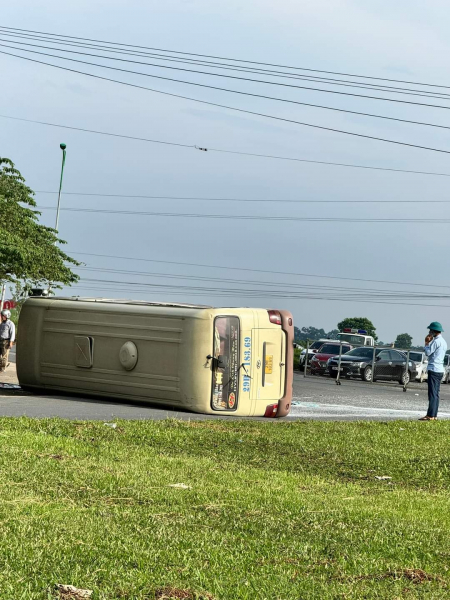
pixel 356 337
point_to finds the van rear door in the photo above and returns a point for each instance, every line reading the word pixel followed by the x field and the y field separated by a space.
pixel 270 363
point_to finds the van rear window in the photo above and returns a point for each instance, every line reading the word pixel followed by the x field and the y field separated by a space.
pixel 225 368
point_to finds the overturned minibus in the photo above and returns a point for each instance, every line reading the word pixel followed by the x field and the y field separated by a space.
pixel 228 361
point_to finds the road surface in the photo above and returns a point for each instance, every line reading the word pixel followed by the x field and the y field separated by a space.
pixel 314 398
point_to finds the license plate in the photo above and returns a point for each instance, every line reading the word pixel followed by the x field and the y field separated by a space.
pixel 269 364
pixel 336 368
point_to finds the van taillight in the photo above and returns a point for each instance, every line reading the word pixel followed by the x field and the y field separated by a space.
pixel 271 410
pixel 274 317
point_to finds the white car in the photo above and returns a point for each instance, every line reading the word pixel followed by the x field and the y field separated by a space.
pixel 421 361
pixel 312 350
pixel 446 375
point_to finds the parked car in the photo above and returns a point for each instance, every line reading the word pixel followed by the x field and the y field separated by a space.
pixel 311 351
pixel 320 359
pixel 389 364
pixel 446 375
pixel 421 360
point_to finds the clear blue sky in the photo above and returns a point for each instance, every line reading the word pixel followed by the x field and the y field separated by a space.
pixel 405 40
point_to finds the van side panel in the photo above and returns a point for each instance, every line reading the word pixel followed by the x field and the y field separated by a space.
pixel 157 338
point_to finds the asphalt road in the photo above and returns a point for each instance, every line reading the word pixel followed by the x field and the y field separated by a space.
pixel 314 398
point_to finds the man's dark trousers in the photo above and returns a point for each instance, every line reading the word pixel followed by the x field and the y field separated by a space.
pixel 434 386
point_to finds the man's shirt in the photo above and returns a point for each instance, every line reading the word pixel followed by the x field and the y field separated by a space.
pixel 7 331
pixel 435 351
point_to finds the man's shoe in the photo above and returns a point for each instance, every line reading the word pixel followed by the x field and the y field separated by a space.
pixel 427 418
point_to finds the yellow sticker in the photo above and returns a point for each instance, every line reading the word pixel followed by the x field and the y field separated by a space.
pixel 269 364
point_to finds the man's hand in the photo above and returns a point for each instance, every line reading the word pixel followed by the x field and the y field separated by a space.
pixel 428 339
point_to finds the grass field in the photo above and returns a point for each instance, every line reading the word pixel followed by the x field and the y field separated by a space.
pixel 267 511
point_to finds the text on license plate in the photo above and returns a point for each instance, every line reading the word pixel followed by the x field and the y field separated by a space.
pixel 269 364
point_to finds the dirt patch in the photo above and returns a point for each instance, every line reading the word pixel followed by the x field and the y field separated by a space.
pixel 416 576
pixel 170 593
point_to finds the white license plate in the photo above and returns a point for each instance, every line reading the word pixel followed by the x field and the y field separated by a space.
pixel 335 369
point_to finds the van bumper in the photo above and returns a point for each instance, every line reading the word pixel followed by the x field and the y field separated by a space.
pixel 287 324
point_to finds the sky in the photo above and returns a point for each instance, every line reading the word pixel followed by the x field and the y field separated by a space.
pixel 401 40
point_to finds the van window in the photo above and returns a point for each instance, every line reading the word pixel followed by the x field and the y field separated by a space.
pixel 225 368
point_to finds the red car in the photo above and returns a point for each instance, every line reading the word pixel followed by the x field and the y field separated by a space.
pixel 320 359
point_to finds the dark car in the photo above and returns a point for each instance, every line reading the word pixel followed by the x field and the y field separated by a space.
pixel 320 359
pixel 389 364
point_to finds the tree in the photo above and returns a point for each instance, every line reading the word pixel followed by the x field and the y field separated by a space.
pixel 359 323
pixel 332 335
pixel 404 340
pixel 29 251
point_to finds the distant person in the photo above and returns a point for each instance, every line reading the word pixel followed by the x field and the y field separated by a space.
pixel 435 349
pixel 7 338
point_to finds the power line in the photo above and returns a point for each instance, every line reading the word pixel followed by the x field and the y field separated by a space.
pixel 354 292
pixel 248 217
pixel 215 65
pixel 325 81
pixel 208 291
pixel 265 271
pixel 278 200
pixel 223 151
pixel 241 110
pixel 312 105
pixel 227 58
pixel 153 76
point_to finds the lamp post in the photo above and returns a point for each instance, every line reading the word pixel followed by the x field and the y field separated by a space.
pixel 63 148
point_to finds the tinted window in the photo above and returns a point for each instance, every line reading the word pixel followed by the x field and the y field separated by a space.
pixel 416 356
pixel 397 356
pixel 362 352
pixel 330 349
pixel 315 345
pixel 385 355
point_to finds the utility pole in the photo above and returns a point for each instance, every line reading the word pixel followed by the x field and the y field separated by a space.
pixel 2 298
pixel 63 148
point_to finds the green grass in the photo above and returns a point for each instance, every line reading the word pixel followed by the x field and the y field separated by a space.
pixel 273 510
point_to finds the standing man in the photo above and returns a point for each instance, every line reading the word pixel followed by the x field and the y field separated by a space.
pixel 435 349
pixel 7 337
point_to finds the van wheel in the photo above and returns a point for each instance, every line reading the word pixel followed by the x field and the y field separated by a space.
pixel 367 374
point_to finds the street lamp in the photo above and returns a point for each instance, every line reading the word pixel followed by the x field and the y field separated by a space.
pixel 63 148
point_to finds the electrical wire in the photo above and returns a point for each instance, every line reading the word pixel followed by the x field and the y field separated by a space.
pixel 238 292
pixel 215 65
pixel 153 76
pixel 225 58
pixel 223 151
pixel 278 200
pixel 216 104
pixel 341 110
pixel 325 81
pixel 265 271
pixel 296 286
pixel 249 217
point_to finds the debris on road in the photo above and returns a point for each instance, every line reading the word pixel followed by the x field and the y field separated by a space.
pixel 382 477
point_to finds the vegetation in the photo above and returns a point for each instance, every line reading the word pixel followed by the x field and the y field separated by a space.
pixel 359 323
pixel 404 340
pixel 29 252
pixel 313 333
pixel 225 510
